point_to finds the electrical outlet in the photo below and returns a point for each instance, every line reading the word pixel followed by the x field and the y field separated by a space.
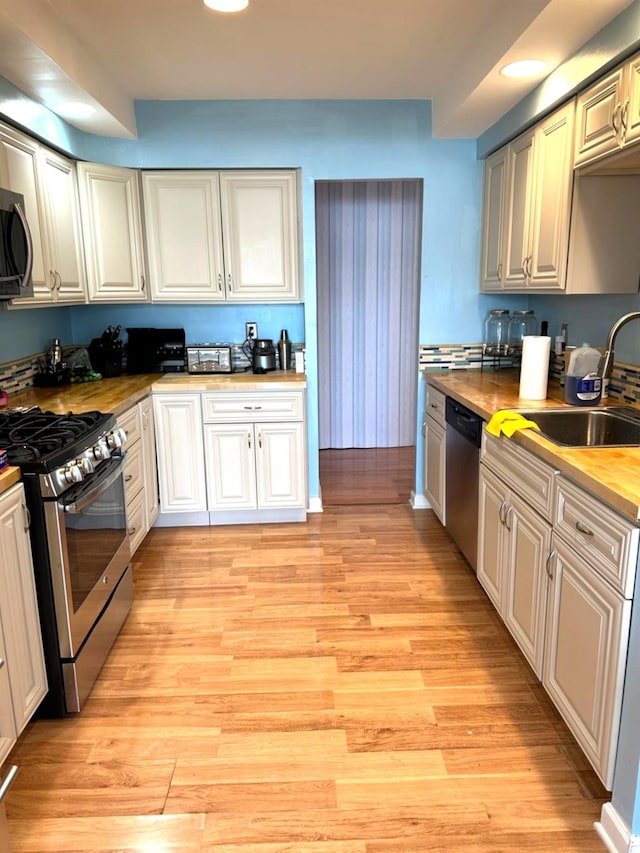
pixel 251 331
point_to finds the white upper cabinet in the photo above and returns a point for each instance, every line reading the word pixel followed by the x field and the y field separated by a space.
pixel 527 205
pixel 259 223
pixel 48 183
pixel 112 223
pixel 65 243
pixel 222 236
pixel 184 236
pixel 608 114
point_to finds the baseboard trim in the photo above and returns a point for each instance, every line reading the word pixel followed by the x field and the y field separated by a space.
pixel 419 501
pixel 614 833
pixel 315 505
pixel 182 519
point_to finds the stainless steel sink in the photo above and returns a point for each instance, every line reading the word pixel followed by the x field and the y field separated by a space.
pixel 607 426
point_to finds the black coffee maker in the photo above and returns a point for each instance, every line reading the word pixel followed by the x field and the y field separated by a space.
pixel 263 355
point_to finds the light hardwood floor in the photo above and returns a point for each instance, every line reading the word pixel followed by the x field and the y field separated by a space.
pixel 381 475
pixel 339 686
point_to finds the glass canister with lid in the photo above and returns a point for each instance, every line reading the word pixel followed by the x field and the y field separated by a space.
pixel 522 323
pixel 496 332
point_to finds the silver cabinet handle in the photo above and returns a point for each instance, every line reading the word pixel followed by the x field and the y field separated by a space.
pixel 142 283
pixel 253 408
pixel 27 517
pixel 624 117
pixel 220 282
pixel 616 111
pixel 2 662
pixel 132 531
pixel 501 511
pixel 128 478
pixel 9 779
pixel 249 439
pixel 145 423
pixel 500 271
pixel 550 557
pixel 52 276
pixel 582 528
pixel 507 516
pixel 260 440
pixel 229 281
pixel 59 278
pixel 424 428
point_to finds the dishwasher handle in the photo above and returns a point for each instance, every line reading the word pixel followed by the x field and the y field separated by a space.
pixel 464 421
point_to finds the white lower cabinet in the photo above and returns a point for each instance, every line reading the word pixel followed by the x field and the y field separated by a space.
pixel 514 546
pixel 559 567
pixel 140 477
pixel 586 649
pixel 231 457
pixel 181 473
pixel 23 680
pixel 435 451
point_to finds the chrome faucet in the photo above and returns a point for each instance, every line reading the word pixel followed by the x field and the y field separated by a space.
pixel 606 362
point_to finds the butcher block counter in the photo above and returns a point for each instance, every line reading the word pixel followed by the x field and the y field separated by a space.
pixel 610 473
pixel 119 393
pixel 8 477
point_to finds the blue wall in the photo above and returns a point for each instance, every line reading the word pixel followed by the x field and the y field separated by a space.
pixel 30 330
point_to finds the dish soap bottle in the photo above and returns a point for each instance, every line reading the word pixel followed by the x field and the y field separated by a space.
pixel 583 385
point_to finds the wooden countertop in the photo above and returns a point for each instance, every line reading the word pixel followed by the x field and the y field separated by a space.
pixel 610 473
pixel 119 393
pixel 8 477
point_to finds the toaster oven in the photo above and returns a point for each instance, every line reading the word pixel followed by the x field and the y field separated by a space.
pixel 209 358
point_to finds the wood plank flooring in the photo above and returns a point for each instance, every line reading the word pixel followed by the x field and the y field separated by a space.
pixel 381 475
pixel 339 686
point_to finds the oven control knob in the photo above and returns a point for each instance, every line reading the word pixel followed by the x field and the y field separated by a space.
pixel 86 466
pixel 117 438
pixel 73 473
pixel 100 451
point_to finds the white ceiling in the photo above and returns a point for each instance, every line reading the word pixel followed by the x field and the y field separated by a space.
pixel 112 52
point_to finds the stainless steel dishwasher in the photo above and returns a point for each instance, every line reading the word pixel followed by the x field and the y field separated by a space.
pixel 463 437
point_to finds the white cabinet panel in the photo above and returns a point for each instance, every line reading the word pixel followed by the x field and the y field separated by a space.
pixel 181 472
pixel 586 646
pixel 150 464
pixel 19 619
pixel 435 466
pixel 184 236
pixel 112 222
pixel 280 465
pixel 230 461
pixel 259 223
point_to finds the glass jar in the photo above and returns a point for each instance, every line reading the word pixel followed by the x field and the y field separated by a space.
pixel 523 322
pixel 496 328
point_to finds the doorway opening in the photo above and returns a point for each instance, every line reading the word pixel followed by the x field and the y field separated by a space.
pixel 368 247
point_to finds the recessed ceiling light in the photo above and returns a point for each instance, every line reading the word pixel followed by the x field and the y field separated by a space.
pixel 227 5
pixel 524 68
pixel 75 109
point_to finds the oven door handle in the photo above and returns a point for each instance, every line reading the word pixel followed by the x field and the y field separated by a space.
pixel 102 484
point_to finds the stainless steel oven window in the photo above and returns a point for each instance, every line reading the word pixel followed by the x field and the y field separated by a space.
pixel 88 550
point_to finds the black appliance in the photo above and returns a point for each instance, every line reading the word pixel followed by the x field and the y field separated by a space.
pixel 152 350
pixel 16 248
pixel 73 474
pixel 263 356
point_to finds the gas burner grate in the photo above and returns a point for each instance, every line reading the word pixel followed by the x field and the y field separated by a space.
pixel 33 435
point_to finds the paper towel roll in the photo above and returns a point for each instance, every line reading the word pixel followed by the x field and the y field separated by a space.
pixel 534 370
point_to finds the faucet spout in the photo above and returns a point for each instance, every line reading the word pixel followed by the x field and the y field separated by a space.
pixel 606 362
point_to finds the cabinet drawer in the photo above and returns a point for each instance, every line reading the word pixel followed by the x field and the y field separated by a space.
pixel 435 404
pixel 608 542
pixel 136 521
pixel 234 408
pixel 130 423
pixel 134 470
pixel 527 475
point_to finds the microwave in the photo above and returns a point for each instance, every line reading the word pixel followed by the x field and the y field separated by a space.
pixel 16 248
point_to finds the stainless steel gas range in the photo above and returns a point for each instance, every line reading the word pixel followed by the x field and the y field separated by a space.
pixel 73 473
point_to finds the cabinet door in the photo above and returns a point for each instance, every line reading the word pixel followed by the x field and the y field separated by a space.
pixel 280 465
pixel 112 226
pixel 631 114
pixel 65 240
pixel 150 463
pixel 491 533
pixel 19 617
pixel 517 239
pixel 598 118
pixel 434 466
pixel 184 236
pixel 586 646
pixel 527 549
pixel 8 733
pixel 495 190
pixel 552 200
pixel 260 228
pixel 19 171
pixel 230 465
pixel 178 421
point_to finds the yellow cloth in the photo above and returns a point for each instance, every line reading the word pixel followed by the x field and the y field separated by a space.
pixel 507 422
